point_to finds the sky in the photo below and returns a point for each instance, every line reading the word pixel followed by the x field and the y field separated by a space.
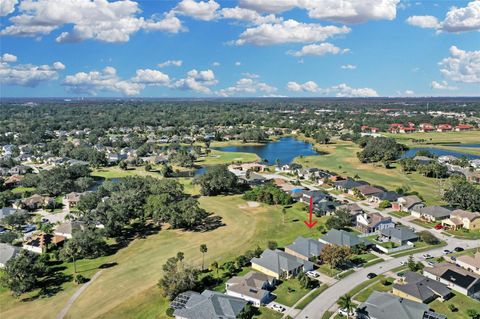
pixel 239 48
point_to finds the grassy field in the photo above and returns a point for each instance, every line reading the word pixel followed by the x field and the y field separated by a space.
pixel 342 159
pixel 378 286
pixel 461 302
pixel 129 289
pixel 289 292
pixel 218 157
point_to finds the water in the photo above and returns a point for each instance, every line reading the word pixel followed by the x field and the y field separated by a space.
pixel 464 145
pixel 285 150
pixel 439 152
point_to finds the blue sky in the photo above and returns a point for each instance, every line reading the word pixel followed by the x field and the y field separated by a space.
pixel 57 48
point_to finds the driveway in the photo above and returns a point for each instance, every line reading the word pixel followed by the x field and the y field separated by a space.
pixel 54 218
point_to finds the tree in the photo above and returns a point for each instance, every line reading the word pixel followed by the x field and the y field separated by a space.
pixel 462 194
pixel 284 212
pixel 376 149
pixel 428 237
pixel 216 180
pixel 272 245
pixel 84 244
pixel 411 264
pixel 473 313
pixel 123 165
pixel 345 302
pixel 148 167
pixel 214 267
pixel 341 219
pixel 203 250
pixel 384 204
pixel 335 255
pixel 22 273
pixel 177 279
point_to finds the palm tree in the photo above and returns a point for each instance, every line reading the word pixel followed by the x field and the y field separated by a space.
pixel 203 250
pixel 345 302
pixel 284 212
pixel 214 267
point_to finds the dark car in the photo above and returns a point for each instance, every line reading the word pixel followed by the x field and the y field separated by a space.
pixel 371 275
pixel 459 249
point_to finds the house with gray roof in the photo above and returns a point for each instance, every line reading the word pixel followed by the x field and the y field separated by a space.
pixel 343 238
pixel 305 248
pixel 253 287
pixel 381 305
pixel 207 305
pixel 277 264
pixel 431 213
pixel 67 228
pixel 7 252
pixel 419 288
pixel 456 278
pixel 408 203
pixel 7 211
pixel 348 184
pixel 398 235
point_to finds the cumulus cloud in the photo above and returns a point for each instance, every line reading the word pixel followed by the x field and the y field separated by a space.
pixel 247 86
pixel 26 74
pixel 170 63
pixel 248 15
pixel 198 81
pixel 7 7
pixel 308 86
pixel 341 90
pixel 456 20
pixel 348 67
pixel 201 10
pixel 318 50
pixel 251 75
pixel 344 11
pixel 409 93
pixel 461 66
pixel 289 31
pixel 100 20
pixel 238 63
pixel 216 64
pixel 151 77
pixel 443 85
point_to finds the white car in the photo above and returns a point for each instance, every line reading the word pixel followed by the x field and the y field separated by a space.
pixel 426 256
pixel 431 264
pixel 344 312
pixel 313 274
pixel 278 308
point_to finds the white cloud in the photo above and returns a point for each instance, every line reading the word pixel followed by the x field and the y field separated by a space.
pixel 343 90
pixel 289 31
pixel 26 74
pixel 461 66
pixel 456 19
pixel 151 77
pixel 248 15
pixel 100 20
pixel 443 85
pixel 216 64
pixel 426 22
pixel 238 63
pixel 247 86
pixel 250 75
pixel 199 81
pixel 345 11
pixel 201 10
pixel 308 86
pixel 348 67
pixel 106 80
pixel 409 93
pixel 7 57
pixel 7 7
pixel 318 50
pixel 170 63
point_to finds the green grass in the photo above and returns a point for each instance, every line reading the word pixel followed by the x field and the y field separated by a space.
pixel 364 284
pixel 399 214
pixel 265 313
pixel 461 233
pixel 462 302
pixel 424 224
pixel 219 157
pixel 21 190
pixel 311 296
pixel 326 270
pixel 419 247
pixel 289 292
pixel 327 315
pixel 378 286
pixel 342 159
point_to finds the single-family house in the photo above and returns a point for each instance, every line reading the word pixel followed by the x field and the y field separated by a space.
pixel 455 277
pixel 382 305
pixel 366 190
pixel 463 219
pixel 408 203
pixel 254 287
pixel 471 263
pixel 352 208
pixel 348 184
pixel 305 248
pixel 71 199
pixel 13 181
pixel 209 304
pixel 324 207
pixel 431 213
pixel 464 127
pixel 279 264
pixel 19 170
pixel 388 196
pixel 7 252
pixel 68 228
pixel 308 173
pixel 444 159
pixel 398 235
pixel 40 243
pixel 35 202
pixel 314 195
pixel 252 178
pixel 7 211
pixel 416 287
pixel 475 163
pixel 343 238
pixel 373 223
pixel 444 127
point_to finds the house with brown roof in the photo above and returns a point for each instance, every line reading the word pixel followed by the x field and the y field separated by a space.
pixel 366 190
pixel 40 243
pixel 253 287
pixel 471 263
pixel 407 203
pixel 463 219
pixel 34 202
pixel 373 222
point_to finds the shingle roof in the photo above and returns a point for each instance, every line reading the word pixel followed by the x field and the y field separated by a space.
pixel 401 233
pixel 278 261
pixel 469 260
pixel 435 211
pixel 306 247
pixel 453 274
pixel 421 287
pixel 7 252
pixel 342 238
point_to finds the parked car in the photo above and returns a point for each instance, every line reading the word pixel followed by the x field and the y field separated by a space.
pixel 459 249
pixel 438 226
pixel 446 251
pixel 427 256
pixel 313 274
pixel 28 228
pixel 430 263
pixel 278 308
pixel 453 258
pixel 371 275
pixel 345 313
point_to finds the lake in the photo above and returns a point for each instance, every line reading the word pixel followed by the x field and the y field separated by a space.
pixel 285 150
pixel 439 152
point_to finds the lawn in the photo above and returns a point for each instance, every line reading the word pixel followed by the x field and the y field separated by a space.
pixel 21 190
pixel 311 296
pixel 461 233
pixel 129 289
pixel 289 292
pixel 218 157
pixel 461 302
pixel 265 313
pixel 378 286
pixel 364 284
pixel 342 159
pixel 423 223
pixel 399 214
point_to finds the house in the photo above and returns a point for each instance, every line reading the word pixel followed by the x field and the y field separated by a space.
pixel 283 168
pixel 343 238
pixel 7 252
pixel 475 163
pixel 423 160
pixel 366 190
pixel 19 170
pixel 35 202
pixel 308 173
pixel 456 278
pixel 68 228
pixel 373 222
pixel 7 211
pixel 463 219
pixel 381 305
pixel 13 181
pixel 416 287
pixel 346 185
pixel 40 243
pixel 444 128
pixel 470 263
pixel 447 159
pixel 252 178
pixel 324 207
pixel 389 196
pixel 431 213
pixel 253 287
pixel 239 169
pixel 398 235
pixel 208 304
pixel 305 248
pixel 463 127
pixel 315 195
pixel 408 203
pixel 426 127
pixel 279 264
pixel 71 199
pixel 352 208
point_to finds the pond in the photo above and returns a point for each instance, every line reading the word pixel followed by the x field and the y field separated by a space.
pixel 439 152
pixel 285 150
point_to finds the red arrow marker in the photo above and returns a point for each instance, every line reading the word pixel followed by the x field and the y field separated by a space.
pixel 310 224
